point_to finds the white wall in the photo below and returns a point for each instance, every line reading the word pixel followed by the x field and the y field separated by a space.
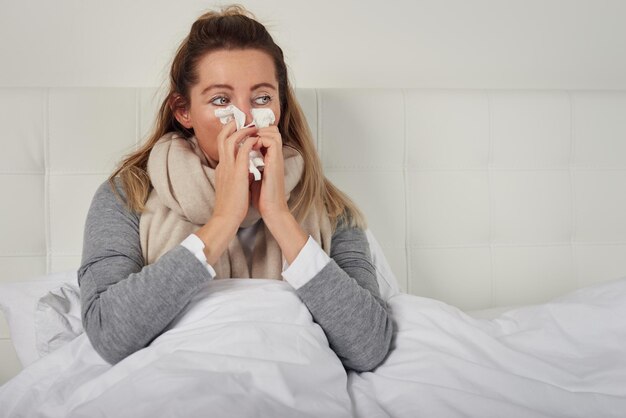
pixel 541 44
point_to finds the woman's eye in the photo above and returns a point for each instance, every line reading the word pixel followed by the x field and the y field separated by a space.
pixel 220 101
pixel 262 100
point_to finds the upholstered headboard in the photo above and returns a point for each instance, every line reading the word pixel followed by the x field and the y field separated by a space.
pixel 478 198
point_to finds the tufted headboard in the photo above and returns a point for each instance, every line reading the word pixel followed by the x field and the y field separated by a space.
pixel 478 198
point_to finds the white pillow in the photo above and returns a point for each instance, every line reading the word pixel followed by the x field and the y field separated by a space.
pixel 387 281
pixel 57 318
pixel 18 302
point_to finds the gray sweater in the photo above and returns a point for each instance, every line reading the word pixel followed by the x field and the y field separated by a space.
pixel 126 304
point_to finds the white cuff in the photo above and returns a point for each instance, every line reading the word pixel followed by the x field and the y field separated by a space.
pixel 194 244
pixel 310 260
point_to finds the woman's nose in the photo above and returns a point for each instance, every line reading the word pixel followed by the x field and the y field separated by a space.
pixel 247 110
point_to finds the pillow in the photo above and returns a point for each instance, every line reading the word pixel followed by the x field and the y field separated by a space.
pixel 387 281
pixel 57 318
pixel 19 301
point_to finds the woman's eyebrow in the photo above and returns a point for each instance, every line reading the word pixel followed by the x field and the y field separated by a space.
pixel 269 85
pixel 216 86
pixel 229 87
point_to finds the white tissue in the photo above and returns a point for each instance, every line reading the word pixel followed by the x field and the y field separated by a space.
pixel 228 113
pixel 261 118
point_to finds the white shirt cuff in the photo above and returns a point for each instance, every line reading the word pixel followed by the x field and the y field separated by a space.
pixel 194 244
pixel 310 260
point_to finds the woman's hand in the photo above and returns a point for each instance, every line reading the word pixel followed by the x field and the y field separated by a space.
pixel 231 174
pixel 268 196
pixel 232 196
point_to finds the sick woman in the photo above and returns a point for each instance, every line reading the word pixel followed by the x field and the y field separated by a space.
pixel 228 185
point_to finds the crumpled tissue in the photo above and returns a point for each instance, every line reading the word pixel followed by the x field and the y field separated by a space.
pixel 261 118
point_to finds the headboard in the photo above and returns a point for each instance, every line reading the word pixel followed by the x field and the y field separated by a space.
pixel 478 198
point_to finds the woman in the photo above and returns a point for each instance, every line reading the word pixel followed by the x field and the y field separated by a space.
pixel 184 209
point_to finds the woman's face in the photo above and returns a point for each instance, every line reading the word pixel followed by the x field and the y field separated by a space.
pixel 245 78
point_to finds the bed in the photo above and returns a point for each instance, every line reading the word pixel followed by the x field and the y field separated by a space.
pixel 497 222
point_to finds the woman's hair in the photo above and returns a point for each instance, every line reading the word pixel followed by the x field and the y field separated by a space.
pixel 235 28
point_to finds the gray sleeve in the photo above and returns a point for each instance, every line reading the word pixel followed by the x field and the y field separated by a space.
pixel 125 305
pixel 344 299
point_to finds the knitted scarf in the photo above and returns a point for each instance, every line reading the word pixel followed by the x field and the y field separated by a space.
pixel 182 200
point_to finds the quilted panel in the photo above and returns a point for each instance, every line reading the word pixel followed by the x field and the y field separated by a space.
pixel 447 129
pixel 531 207
pixel 69 204
pixel 380 195
pixel 530 129
pixel 22 225
pixel 64 262
pixel 458 275
pixel 307 98
pixel 23 121
pixel 97 125
pixel 150 100
pixel 600 206
pixel 21 267
pixel 519 271
pixel 448 208
pixel 599 129
pixel 597 263
pixel 361 129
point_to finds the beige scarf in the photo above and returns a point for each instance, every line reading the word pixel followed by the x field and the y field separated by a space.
pixel 182 201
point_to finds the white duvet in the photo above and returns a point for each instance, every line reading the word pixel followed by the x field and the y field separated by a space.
pixel 249 348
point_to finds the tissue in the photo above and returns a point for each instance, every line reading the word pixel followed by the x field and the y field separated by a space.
pixel 261 118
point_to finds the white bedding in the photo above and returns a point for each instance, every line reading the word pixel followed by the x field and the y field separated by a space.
pixel 250 348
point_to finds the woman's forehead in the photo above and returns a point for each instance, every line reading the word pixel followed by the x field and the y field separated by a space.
pixel 238 66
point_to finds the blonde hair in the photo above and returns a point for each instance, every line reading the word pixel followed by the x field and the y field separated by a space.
pixel 235 28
